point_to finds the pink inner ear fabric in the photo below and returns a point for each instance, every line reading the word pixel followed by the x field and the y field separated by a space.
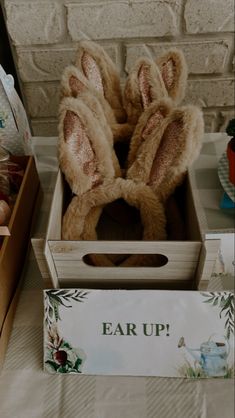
pixel 168 73
pixel 143 77
pixel 76 85
pixel 168 151
pixel 79 144
pixel 151 124
pixel 92 71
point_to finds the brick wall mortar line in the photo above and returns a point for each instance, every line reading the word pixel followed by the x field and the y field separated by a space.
pixel 229 36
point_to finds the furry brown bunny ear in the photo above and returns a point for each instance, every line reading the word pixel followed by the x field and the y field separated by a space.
pixel 144 85
pixel 174 73
pixel 75 84
pixel 85 155
pixel 99 69
pixel 163 160
pixel 147 129
pixel 94 105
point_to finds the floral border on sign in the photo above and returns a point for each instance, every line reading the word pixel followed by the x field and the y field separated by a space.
pixel 60 356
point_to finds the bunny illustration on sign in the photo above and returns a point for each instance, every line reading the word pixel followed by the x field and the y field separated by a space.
pixel 212 356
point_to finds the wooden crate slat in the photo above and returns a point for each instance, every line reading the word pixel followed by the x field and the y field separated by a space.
pixel 188 261
pixel 173 270
pixel 38 247
pixel 76 250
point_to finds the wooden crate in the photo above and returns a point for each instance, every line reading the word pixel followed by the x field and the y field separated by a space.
pixel 15 243
pixel 190 263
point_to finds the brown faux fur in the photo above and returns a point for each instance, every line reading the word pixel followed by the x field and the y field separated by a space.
pixel 163 160
pixel 97 66
pixel 188 150
pixel 148 126
pixel 84 211
pixel 143 85
pixel 174 73
pixel 94 105
pixel 74 112
pixel 89 207
pixel 166 140
pixel 153 175
pixel 75 84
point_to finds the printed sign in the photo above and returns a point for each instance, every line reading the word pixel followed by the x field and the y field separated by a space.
pixel 139 333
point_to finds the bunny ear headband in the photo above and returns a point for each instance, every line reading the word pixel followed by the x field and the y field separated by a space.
pixel 145 187
pixel 95 72
pixel 164 142
pixel 100 70
pixel 101 186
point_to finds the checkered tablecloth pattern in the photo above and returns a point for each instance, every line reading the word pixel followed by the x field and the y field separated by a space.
pixel 27 392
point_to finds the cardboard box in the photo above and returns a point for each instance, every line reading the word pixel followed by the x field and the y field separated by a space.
pixel 188 262
pixel 14 247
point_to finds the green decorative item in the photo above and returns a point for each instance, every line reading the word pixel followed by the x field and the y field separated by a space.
pixel 230 130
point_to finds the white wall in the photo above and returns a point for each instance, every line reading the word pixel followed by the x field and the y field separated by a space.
pixel 44 35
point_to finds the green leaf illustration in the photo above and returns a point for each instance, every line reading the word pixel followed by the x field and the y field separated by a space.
pixel 52 364
pixel 209 300
pixel 56 311
pixel 62 369
pixel 226 303
pixel 56 297
pixel 78 364
pixel 65 344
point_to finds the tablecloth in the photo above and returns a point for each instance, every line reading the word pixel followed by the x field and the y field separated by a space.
pixel 27 392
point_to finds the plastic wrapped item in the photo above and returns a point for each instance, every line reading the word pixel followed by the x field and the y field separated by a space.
pixel 15 135
pixel 11 175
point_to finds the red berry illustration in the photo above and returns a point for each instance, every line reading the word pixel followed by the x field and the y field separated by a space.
pixel 61 357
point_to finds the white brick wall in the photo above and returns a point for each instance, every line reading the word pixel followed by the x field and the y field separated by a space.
pixel 44 35
pixel 209 16
pixel 34 22
pixel 208 57
pixel 122 19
